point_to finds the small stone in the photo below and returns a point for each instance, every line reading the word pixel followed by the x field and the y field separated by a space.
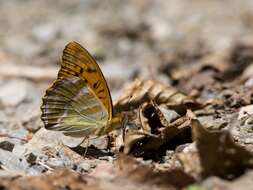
pixel 31 158
pixel 25 47
pixel 6 145
pixel 247 74
pixel 245 111
pixel 16 164
pixel 248 141
pixel 116 71
pixel 14 92
pixel 84 166
pixel 100 143
pixel 56 163
pixel 3 117
pixel 71 141
pixel 170 115
pixel 45 32
pixel 249 82
pixel 182 147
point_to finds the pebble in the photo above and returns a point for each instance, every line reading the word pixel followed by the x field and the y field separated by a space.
pixel 13 92
pixel 55 163
pixel 25 47
pixel 249 83
pixel 245 111
pixel 45 32
pixel 19 165
pixel 31 158
pixel 169 115
pixel 6 145
pixel 84 166
pixel 114 70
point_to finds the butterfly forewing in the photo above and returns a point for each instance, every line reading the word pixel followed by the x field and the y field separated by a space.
pixel 76 61
pixel 71 106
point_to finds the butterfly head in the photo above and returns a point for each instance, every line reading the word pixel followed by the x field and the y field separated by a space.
pixel 117 122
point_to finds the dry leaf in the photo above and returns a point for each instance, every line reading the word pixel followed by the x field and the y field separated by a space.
pixel 154 131
pixel 140 91
pixel 63 179
pixel 190 163
pixel 219 154
pixel 131 169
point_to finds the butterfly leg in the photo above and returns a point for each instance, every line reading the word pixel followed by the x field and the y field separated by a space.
pixel 87 145
pixel 86 148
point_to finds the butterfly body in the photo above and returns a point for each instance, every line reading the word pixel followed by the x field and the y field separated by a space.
pixel 79 102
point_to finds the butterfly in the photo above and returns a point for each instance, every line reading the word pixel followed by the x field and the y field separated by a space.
pixel 79 102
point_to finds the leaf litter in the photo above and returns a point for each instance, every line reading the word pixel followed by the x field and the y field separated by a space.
pixel 188 99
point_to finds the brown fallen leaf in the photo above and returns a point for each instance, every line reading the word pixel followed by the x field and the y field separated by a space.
pixel 224 65
pixel 211 65
pixel 62 179
pixel 140 91
pixel 244 182
pixel 154 131
pixel 67 179
pixel 131 169
pixel 219 154
pixel 240 58
pixel 237 97
pixel 128 175
pixel 190 163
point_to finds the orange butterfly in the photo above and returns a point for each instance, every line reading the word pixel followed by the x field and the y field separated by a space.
pixel 79 102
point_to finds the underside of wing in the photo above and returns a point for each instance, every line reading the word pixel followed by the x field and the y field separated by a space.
pixel 76 61
pixel 72 107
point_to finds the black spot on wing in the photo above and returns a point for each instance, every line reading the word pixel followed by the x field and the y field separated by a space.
pixel 100 91
pixel 85 80
pixel 101 97
pixel 90 70
pixel 97 84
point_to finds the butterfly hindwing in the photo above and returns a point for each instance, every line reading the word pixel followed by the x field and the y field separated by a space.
pixel 76 61
pixel 72 107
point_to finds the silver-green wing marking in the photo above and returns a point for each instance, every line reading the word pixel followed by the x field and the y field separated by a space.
pixel 72 107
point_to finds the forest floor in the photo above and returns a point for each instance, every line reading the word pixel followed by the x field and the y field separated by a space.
pixel 181 70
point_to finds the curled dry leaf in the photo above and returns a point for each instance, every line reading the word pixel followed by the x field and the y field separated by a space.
pixel 140 91
pixel 219 154
pixel 155 130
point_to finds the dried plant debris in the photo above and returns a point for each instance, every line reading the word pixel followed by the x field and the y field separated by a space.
pixel 200 72
pixel 241 56
pixel 141 91
pixel 219 154
pixel 155 130
pixel 189 163
pixel 128 174
pixel 215 66
pixel 204 60
pixel 244 182
pixel 58 180
pixel 131 169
